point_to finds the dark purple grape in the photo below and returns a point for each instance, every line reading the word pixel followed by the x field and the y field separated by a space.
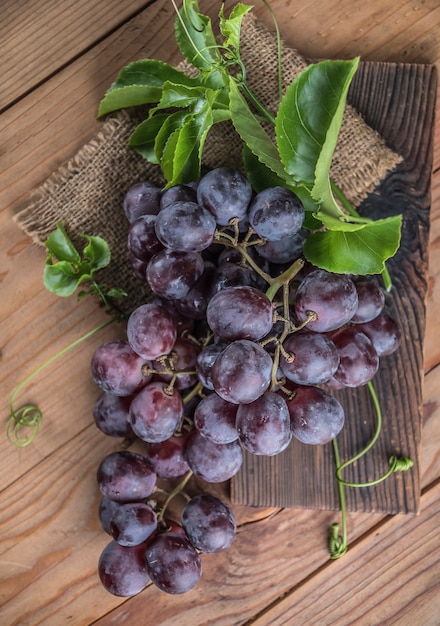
pixel 332 383
pixel 276 213
pixel 241 312
pixel 184 358
pixel 283 250
pixel 171 274
pixel 333 297
pixel 173 563
pixel 316 417
pixel 234 275
pixel 126 476
pixel 178 193
pixel 242 372
pixel 123 570
pixel 110 413
pixel 142 198
pixel 213 462
pixel 116 368
pixel 151 331
pixel 139 267
pixel 371 301
pixel 171 526
pixel 315 358
pixel 358 359
pixel 205 361
pixel 167 457
pixel 209 523
pixel 194 304
pixel 132 523
pixel 142 240
pixel 106 509
pixel 155 412
pixel 384 332
pixel 183 324
pixel 185 227
pixel 215 418
pixel 264 425
pixel 226 193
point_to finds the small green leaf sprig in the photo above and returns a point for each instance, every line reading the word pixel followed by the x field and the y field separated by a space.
pixel 307 123
pixel 65 270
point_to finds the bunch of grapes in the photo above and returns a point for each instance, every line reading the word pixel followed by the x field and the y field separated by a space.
pixel 238 349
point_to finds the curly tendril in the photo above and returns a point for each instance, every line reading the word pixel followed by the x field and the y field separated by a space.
pixel 26 417
pixel 337 544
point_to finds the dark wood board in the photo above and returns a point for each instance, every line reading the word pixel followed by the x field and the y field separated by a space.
pixel 397 100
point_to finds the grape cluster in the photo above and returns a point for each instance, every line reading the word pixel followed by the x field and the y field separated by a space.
pixel 238 349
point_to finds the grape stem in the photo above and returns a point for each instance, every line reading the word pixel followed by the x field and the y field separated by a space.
pixel 337 543
pixel 284 279
pixel 175 492
pixel 191 394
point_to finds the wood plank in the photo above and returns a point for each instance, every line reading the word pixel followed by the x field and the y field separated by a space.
pixel 432 345
pixel 38 38
pixel 399 102
pixel 386 589
pixel 430 461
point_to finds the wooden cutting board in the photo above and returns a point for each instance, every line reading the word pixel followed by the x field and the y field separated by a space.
pixel 397 100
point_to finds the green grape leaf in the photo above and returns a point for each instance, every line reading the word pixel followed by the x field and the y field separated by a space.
pixel 230 27
pixel 181 159
pixel 195 37
pixel 167 155
pixel 60 278
pixel 69 269
pixel 152 73
pixel 307 125
pixel 97 252
pixel 172 124
pixel 342 223
pixel 361 251
pixel 130 96
pixel 117 294
pixel 144 136
pixel 252 133
pixel 181 96
pixel 61 247
pixel 141 82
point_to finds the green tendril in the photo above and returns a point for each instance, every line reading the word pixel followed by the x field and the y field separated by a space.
pixel 278 40
pixel 29 416
pixel 338 543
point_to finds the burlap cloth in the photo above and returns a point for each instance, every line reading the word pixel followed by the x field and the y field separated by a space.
pixel 87 192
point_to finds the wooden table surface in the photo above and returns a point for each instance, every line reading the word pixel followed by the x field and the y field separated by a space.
pixel 57 60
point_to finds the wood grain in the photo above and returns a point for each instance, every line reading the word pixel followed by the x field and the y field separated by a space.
pixel 49 535
pixel 336 597
pixel 40 37
pixel 397 100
